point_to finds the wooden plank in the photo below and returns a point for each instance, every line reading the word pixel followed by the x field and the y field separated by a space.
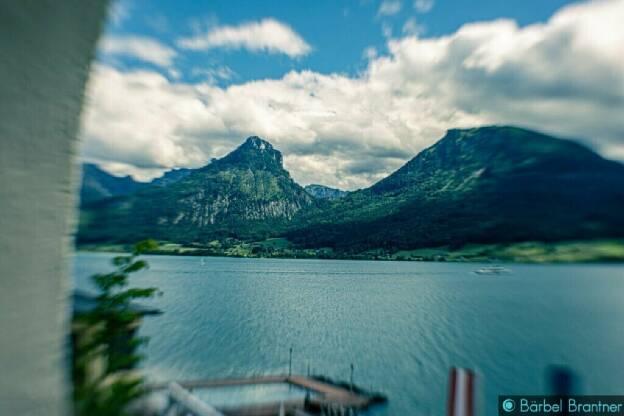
pixel 191 403
pixel 330 392
pixel 326 393
pixel 212 383
pixel 264 409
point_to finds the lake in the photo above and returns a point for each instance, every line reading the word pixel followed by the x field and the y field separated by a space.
pixel 401 324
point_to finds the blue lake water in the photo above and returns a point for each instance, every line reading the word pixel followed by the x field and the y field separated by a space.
pixel 401 324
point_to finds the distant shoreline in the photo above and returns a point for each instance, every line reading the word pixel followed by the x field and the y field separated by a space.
pixel 593 251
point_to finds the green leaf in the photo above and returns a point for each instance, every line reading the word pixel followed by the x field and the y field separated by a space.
pixel 145 246
pixel 136 266
pixel 121 260
pixel 116 325
pixel 106 282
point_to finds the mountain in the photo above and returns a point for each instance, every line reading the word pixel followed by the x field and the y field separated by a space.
pixel 246 195
pixel 482 185
pixel 324 192
pixel 171 176
pixel 97 184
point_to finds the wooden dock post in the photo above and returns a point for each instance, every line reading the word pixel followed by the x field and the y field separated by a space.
pixel 290 363
pixel 351 378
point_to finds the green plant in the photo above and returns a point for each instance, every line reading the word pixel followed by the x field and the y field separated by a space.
pixel 105 349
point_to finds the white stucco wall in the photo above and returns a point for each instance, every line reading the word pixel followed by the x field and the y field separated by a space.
pixel 45 50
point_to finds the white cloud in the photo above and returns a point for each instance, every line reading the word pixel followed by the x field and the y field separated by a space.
pixel 140 47
pixel 423 6
pixel 565 76
pixel 370 52
pixel 119 11
pixel 386 30
pixel 389 7
pixel 268 35
pixel 213 74
pixel 413 28
pixel 137 118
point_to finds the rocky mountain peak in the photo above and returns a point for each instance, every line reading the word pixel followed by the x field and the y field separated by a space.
pixel 254 153
pixel 258 143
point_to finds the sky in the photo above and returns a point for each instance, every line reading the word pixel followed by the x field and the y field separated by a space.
pixel 347 90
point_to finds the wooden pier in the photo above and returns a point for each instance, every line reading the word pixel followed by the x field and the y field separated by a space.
pixel 328 397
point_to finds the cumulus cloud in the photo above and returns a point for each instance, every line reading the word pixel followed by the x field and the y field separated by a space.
pixel 565 77
pixel 423 6
pixel 268 35
pixel 389 7
pixel 140 47
pixel 138 118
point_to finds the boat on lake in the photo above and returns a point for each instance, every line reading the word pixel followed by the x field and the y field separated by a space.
pixel 492 270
